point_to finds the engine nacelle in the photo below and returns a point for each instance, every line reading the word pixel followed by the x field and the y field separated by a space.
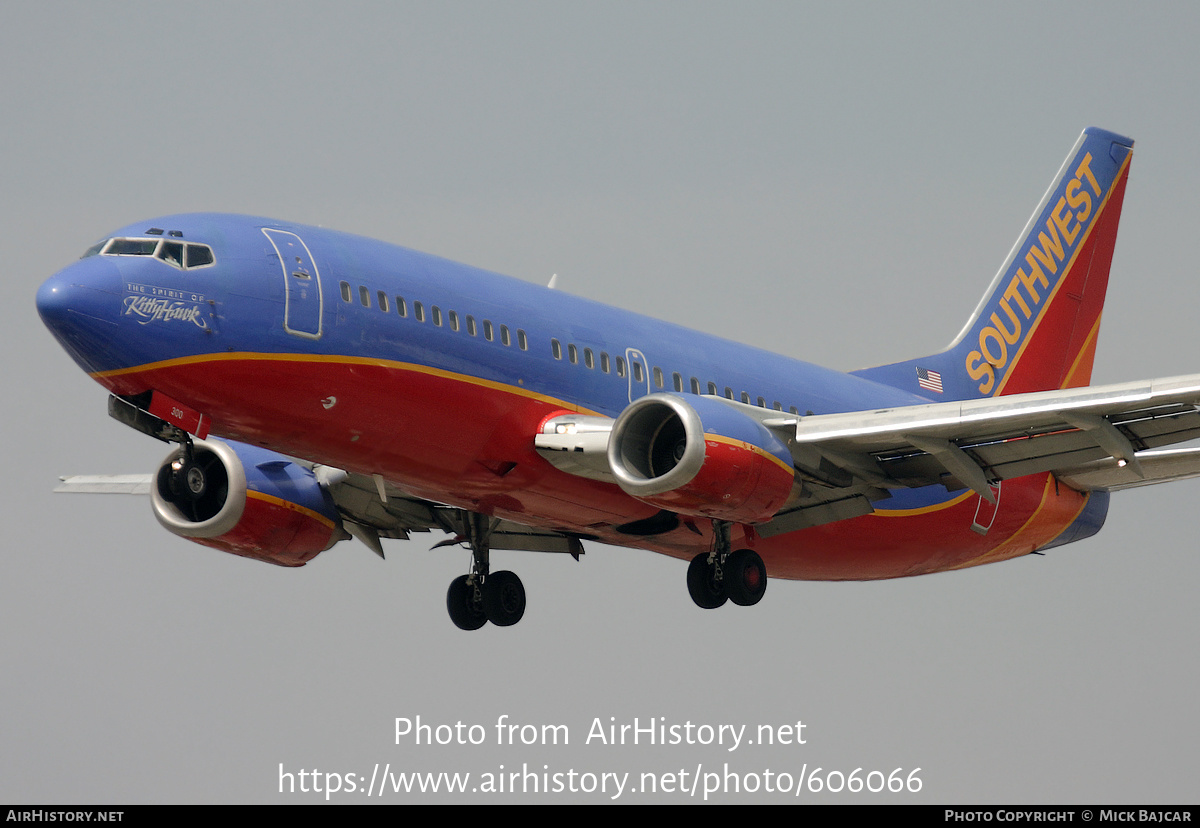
pixel 699 456
pixel 247 501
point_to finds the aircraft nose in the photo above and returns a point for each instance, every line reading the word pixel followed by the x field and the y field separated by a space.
pixel 81 305
pixel 54 300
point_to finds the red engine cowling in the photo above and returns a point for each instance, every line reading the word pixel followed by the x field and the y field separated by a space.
pixel 699 456
pixel 247 501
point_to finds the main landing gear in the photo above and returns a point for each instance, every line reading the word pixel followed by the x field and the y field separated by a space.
pixel 719 575
pixel 482 596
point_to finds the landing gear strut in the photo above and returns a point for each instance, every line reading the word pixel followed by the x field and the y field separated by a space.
pixel 718 575
pixel 482 596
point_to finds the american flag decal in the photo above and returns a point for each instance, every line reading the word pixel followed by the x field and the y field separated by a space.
pixel 929 380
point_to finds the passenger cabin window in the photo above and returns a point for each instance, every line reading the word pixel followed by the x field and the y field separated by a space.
pixel 453 319
pixel 488 333
pixel 418 312
pixel 620 366
pixel 435 313
pixel 658 377
pixel 364 296
pixel 588 359
pixel 522 340
pixel 573 354
pixel 677 379
pixel 638 372
pixel 383 301
pixel 556 348
pixel 695 386
pixel 505 339
pixel 471 325
pixel 345 286
pixel 712 388
pixel 401 306
pixel 604 361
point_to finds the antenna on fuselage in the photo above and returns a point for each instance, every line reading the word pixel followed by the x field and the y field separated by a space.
pixel 553 281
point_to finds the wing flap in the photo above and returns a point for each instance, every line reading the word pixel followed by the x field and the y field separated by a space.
pixel 358 498
pixel 371 514
pixel 805 517
pixel 1157 466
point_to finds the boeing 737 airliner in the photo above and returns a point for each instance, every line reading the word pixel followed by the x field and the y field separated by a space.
pixel 367 390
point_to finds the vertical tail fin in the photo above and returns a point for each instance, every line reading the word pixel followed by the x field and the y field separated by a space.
pixel 1036 327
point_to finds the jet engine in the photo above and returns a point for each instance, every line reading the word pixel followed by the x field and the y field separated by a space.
pixel 247 501
pixel 699 456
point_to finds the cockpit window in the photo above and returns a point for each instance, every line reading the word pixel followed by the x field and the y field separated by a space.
pixel 175 253
pixel 199 255
pixel 171 253
pixel 131 247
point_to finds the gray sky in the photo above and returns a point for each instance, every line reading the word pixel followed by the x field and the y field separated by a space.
pixel 836 182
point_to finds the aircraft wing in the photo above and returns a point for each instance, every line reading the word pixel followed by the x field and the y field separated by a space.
pixel 1092 438
pixel 138 484
pixel 997 438
pixel 370 510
